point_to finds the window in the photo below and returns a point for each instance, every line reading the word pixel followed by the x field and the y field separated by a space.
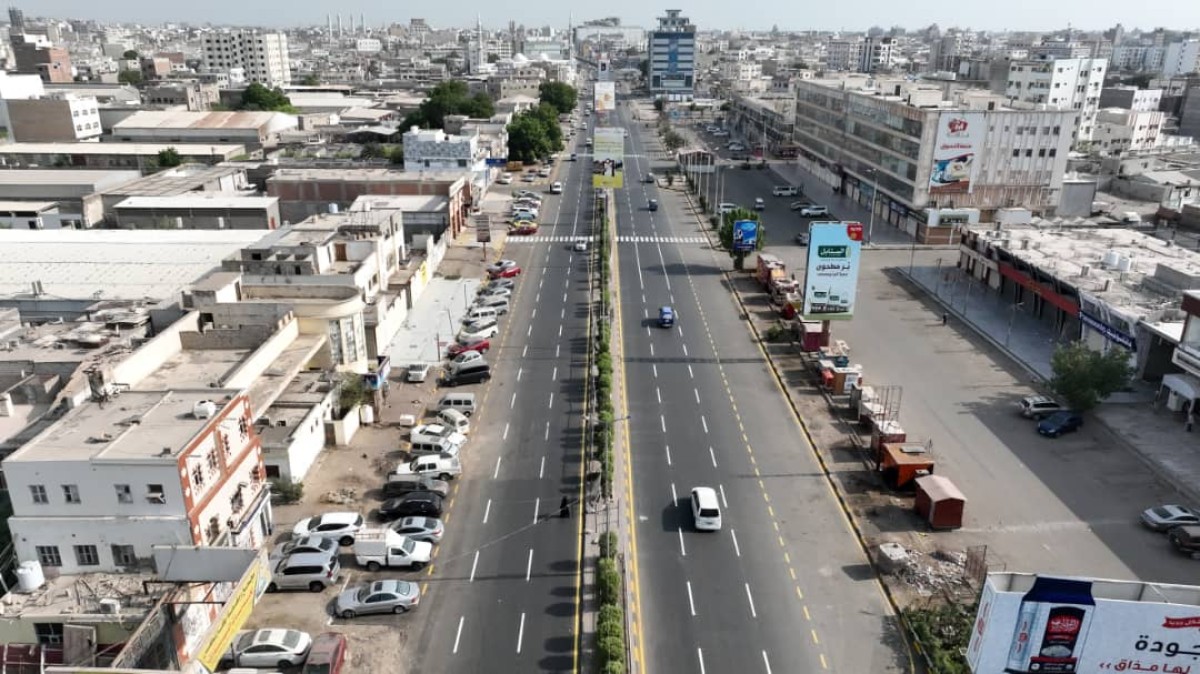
pixel 1029 153
pixel 1016 153
pixel 1053 152
pixel 124 493
pixel 198 476
pixel 48 555
pixel 123 555
pixel 212 460
pixel 1042 152
pixel 86 555
pixel 48 634
pixel 71 493
pixel 155 493
pixel 38 492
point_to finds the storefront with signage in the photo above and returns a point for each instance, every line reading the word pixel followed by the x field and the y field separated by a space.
pixel 1040 295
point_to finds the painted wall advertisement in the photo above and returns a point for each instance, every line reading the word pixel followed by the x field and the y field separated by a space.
pixel 606 96
pixel 235 613
pixel 956 149
pixel 831 277
pixel 1029 624
pixel 608 158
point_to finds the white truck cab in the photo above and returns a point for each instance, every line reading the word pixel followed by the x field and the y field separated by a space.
pixel 377 548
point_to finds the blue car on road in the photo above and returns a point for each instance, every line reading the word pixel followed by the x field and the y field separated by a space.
pixel 666 317
pixel 1060 422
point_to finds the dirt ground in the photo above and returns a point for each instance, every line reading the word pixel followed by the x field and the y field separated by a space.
pixel 936 569
pixel 349 478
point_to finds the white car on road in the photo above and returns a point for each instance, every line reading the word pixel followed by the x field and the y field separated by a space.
pixel 813 210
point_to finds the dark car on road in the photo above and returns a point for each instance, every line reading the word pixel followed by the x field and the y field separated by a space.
pixel 1060 422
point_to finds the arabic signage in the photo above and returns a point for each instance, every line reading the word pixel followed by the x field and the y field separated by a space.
pixel 234 615
pixel 745 236
pixel 1029 624
pixel 956 151
pixel 831 276
pixel 1110 333
pixel 608 158
pixel 606 96
pixel 1042 290
pixel 483 228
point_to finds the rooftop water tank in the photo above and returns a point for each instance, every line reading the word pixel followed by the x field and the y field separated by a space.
pixel 1111 258
pixel 1124 263
pixel 204 409
pixel 30 577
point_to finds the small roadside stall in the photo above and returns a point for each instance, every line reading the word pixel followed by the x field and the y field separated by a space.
pixel 939 502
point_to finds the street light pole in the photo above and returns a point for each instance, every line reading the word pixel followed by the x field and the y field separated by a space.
pixel 874 196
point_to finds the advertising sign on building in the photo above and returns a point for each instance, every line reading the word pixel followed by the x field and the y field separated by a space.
pixel 956 149
pixel 1030 624
pixel 606 96
pixel 831 278
pixel 483 228
pixel 745 236
pixel 608 158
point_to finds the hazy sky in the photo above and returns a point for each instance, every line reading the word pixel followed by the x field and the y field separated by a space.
pixel 860 15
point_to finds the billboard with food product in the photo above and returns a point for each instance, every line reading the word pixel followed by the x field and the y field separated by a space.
pixel 1033 624
pixel 956 151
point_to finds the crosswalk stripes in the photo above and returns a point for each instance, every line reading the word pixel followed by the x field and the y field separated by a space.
pixel 547 239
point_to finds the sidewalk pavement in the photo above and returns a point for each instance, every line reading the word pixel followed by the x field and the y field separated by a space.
pixel 1155 435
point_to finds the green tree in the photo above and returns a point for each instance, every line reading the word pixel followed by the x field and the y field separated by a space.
pixel 528 138
pixel 548 116
pixel 258 97
pixel 1084 377
pixel 726 234
pixel 560 95
pixel 396 154
pixel 130 54
pixel 371 151
pixel 130 77
pixel 311 80
pixel 660 104
pixel 673 141
pixel 168 158
pixel 449 98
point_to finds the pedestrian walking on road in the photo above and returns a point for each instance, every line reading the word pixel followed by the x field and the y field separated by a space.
pixel 564 507
pixel 1191 421
pixel 945 317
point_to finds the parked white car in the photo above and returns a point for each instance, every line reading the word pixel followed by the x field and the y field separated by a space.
pixel 556 187
pixel 339 526
pixel 269 648
pixel 436 432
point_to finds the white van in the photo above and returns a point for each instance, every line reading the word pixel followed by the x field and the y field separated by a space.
pixel 784 191
pixel 706 511
pixel 479 313
pixel 726 207
pixel 455 420
pixel 462 402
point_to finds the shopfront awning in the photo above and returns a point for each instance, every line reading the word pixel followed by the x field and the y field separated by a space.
pixel 1184 385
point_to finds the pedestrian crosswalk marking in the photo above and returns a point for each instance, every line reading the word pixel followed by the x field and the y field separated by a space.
pixel 548 239
pixel 661 239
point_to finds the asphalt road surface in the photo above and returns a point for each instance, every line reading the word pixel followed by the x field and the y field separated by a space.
pixel 784 586
pixel 502 592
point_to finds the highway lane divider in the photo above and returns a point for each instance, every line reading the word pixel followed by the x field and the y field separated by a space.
pixel 912 648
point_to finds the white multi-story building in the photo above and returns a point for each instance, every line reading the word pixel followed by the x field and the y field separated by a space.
pixel 875 55
pixel 1138 57
pixel 17 87
pixel 1066 84
pixel 262 56
pixel 435 150
pixel 673 57
pixel 1119 131
pixel 1181 58
pixel 740 70
pixel 1131 98
pixel 100 486
pixel 843 55
pixel 368 45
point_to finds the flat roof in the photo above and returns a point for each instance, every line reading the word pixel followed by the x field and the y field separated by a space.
pixel 193 369
pixel 98 180
pixel 135 426
pixel 200 201
pixel 188 150
pixel 114 264
pixel 27 206
pixel 415 202
pixel 184 119
pixel 366 175
pixel 178 180
pixel 78 596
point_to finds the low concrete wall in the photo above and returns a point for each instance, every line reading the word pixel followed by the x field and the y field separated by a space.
pixel 344 429
pixel 248 372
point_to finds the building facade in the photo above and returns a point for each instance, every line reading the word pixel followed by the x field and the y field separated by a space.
pixel 97 489
pixel 919 151
pixel 1131 98
pixel 1068 84
pixel 1120 131
pixel 1181 58
pixel 672 48
pixel 263 57
pixel 57 118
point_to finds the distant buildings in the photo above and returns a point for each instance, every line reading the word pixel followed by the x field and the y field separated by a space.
pixel 672 48
pixel 262 57
pixel 1181 58
pixel 34 54
pixel 1063 83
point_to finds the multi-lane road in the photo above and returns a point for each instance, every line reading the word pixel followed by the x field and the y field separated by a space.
pixel 502 593
pixel 784 586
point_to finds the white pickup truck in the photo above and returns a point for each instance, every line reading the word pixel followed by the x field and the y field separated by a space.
pixel 378 548
pixel 433 465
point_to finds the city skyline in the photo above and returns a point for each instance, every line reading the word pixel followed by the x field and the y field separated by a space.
pixel 707 16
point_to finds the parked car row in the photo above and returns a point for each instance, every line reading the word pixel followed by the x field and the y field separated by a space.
pixel 1180 523
pixel 281 648
pixel 1053 418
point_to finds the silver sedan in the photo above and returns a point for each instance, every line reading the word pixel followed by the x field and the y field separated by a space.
pixel 381 596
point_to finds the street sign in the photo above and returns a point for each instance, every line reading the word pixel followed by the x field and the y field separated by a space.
pixel 483 228
pixel 745 236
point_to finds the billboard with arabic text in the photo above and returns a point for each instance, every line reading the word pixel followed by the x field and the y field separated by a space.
pixel 608 157
pixel 831 275
pixel 606 96
pixel 1031 624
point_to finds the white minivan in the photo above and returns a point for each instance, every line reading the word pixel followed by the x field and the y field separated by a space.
pixel 706 511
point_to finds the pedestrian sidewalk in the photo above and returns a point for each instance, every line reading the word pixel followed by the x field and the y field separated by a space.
pixel 1155 435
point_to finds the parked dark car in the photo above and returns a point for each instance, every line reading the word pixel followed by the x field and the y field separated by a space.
pixel 1186 539
pixel 424 503
pixel 399 485
pixel 472 374
pixel 328 654
pixel 1060 422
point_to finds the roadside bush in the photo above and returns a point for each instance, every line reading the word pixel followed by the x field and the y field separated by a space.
pixel 612 649
pixel 608 547
pixel 611 623
pixel 608 581
pixel 287 491
pixel 775 333
pixel 943 633
pixel 614 667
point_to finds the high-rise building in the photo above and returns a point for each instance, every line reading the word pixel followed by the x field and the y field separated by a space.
pixel 1182 58
pixel 876 55
pixel 16 20
pixel 1066 84
pixel 673 58
pixel 262 56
